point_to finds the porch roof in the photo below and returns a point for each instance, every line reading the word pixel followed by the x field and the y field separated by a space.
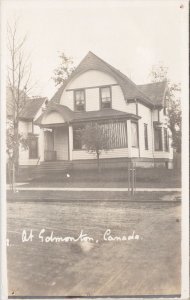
pixel 75 117
pixel 106 114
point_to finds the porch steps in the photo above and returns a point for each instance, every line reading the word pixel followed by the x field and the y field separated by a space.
pixel 53 167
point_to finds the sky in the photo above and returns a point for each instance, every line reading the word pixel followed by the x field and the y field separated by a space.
pixel 130 35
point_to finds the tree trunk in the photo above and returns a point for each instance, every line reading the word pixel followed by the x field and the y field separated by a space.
pixel 16 150
pixel 98 161
pixel 11 174
pixel 13 178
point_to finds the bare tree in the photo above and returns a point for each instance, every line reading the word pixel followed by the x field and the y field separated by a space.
pixel 18 79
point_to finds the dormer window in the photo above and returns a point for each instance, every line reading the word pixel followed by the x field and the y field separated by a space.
pixel 79 100
pixel 105 97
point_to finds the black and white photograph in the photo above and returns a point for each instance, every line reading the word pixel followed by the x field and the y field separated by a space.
pixel 94 104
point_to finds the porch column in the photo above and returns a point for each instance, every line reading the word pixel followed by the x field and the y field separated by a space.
pixel 129 141
pixel 41 144
pixel 70 142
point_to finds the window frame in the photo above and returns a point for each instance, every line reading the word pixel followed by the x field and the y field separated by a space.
pixel 133 122
pixel 166 141
pixel 75 105
pixel 160 139
pixel 100 96
pixel 146 144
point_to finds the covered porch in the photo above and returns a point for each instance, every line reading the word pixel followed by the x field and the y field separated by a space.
pixel 60 125
pixel 57 143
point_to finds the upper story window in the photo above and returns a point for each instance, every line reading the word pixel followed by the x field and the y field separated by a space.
pixel 105 97
pixel 79 100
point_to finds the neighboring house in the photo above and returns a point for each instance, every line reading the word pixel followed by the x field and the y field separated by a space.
pixel 96 91
pixel 32 109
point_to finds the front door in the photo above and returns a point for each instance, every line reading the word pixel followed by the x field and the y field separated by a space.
pixel 49 153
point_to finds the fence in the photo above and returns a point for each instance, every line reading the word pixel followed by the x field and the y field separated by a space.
pixel 131 179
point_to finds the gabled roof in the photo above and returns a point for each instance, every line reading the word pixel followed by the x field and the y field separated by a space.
pixel 93 62
pixel 30 105
pixel 31 108
pixel 64 111
pixel 155 91
pixel 73 117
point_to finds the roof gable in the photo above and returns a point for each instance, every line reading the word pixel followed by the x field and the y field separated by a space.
pixel 92 62
pixel 31 108
pixel 66 113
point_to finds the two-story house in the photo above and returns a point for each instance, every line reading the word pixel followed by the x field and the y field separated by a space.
pixel 135 114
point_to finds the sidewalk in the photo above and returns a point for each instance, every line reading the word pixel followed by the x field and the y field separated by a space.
pixel 91 189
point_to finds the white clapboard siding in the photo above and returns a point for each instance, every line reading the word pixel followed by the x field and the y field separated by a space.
pixel 145 114
pixel 135 152
pixel 118 101
pixel 82 154
pixel 147 154
pixel 53 117
pixel 24 129
pixel 93 79
pixel 92 99
pixel 155 115
pixel 24 158
pixel 163 154
pixel 28 162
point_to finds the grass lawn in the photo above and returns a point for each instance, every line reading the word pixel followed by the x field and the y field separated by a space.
pixel 147 266
pixel 157 177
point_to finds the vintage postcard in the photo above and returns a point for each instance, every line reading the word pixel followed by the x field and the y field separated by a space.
pixel 94 149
